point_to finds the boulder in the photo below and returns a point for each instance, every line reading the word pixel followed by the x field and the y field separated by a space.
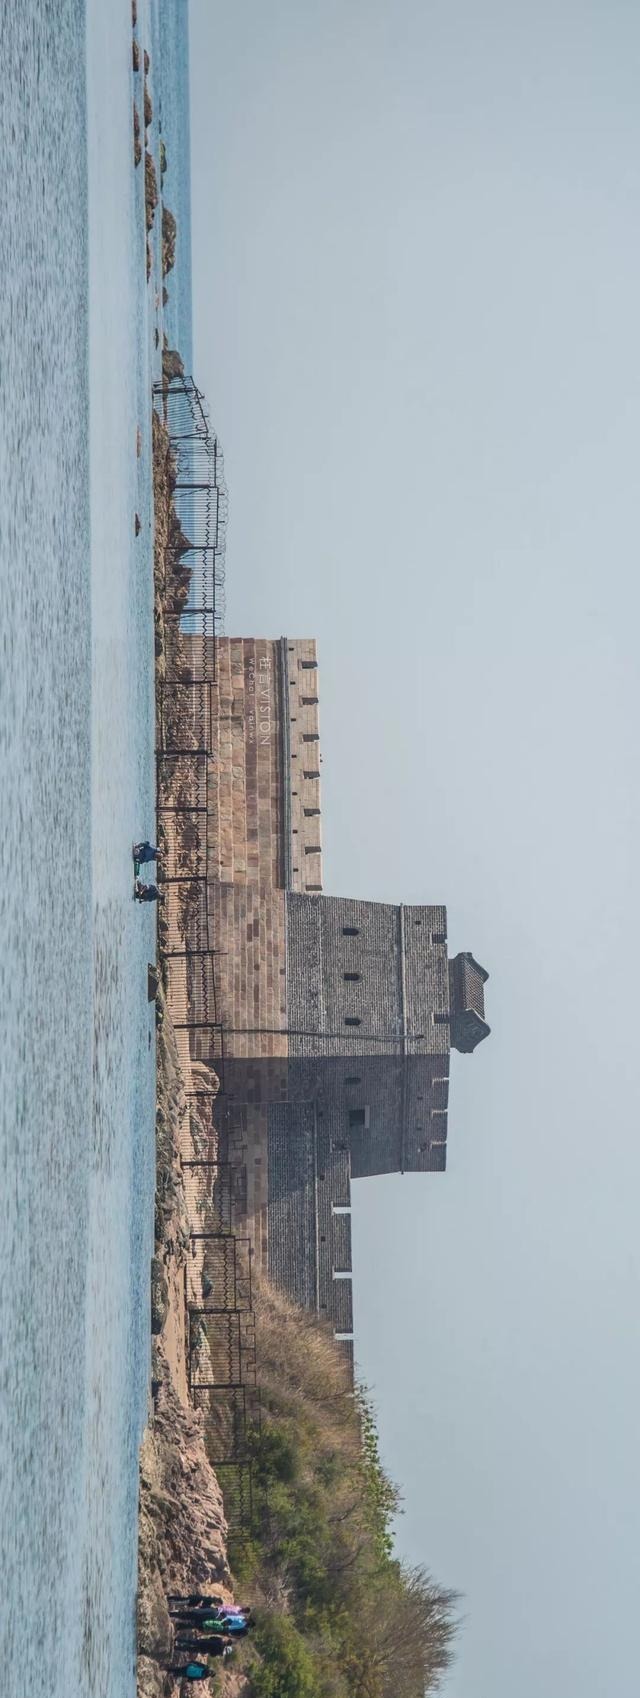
pixel 159 1295
pixel 155 1632
pixel 172 365
pixel 169 234
pixel 150 189
pixel 137 143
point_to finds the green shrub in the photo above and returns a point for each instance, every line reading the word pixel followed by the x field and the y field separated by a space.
pixel 286 1667
pixel 274 1453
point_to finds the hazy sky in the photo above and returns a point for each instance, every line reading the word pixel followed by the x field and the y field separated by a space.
pixel 417 284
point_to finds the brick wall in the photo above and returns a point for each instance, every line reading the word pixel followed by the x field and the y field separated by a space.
pixel 248 922
pixel 246 773
pixel 394 1065
pixel 381 966
pixel 260 721
pixel 309 1243
pixel 292 1257
pixel 245 1126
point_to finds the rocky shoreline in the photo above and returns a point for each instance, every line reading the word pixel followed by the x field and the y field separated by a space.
pixel 182 1530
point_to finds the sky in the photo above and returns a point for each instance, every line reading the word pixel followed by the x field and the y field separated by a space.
pixel 416 245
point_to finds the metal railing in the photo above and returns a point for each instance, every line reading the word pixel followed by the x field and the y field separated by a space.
pixel 195 553
pixel 221 1329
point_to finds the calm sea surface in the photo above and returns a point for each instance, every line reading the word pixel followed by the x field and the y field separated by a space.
pixel 77 357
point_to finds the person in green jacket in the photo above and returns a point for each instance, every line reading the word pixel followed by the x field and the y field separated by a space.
pixel 208 1622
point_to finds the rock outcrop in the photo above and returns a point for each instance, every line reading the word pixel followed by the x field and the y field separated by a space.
pixel 150 189
pixel 169 233
pixel 182 1532
pixel 159 1295
pixel 182 1537
pixel 172 364
pixel 137 143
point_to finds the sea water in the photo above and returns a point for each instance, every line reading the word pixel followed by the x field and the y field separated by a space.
pixel 171 42
pixel 78 354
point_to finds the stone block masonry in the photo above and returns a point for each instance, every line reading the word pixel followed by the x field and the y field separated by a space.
pixel 336 1018
pixel 263 734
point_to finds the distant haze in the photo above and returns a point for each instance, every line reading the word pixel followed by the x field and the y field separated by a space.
pixel 417 285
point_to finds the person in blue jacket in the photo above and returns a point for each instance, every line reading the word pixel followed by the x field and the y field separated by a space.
pixel 192 1671
pixel 147 892
pixel 198 1670
pixel 144 852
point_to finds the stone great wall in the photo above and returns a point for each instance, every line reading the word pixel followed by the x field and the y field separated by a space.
pixel 334 1019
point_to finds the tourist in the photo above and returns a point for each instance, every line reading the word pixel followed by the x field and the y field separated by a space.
pixel 224 1621
pixel 213 1624
pixel 195 1671
pixel 144 852
pixel 206 1600
pixel 196 1600
pixel 213 1643
pixel 147 892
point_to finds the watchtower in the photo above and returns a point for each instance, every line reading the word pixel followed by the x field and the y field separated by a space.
pixel 370 1010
